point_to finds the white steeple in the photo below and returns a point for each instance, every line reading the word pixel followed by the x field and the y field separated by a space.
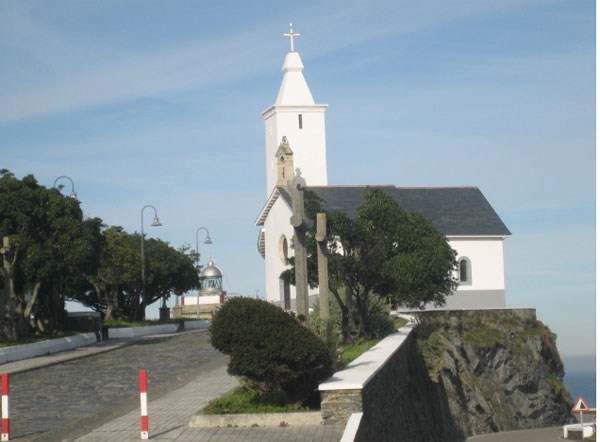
pixel 296 117
pixel 293 90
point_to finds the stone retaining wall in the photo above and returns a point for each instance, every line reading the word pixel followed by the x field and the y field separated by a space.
pixel 401 403
pixel 390 395
pixel 343 393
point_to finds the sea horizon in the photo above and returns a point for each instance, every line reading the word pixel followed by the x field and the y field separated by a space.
pixel 580 377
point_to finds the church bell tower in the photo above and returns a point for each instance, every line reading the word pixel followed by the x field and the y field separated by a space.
pixel 296 117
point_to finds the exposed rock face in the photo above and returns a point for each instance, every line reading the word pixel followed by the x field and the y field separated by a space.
pixel 499 370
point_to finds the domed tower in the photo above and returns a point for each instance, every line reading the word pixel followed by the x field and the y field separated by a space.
pixel 210 297
pixel 211 279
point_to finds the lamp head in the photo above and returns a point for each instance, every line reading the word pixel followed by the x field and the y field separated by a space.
pixel 156 222
pixel 208 240
pixel 73 195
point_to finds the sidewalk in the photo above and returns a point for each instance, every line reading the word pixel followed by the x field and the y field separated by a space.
pixel 169 411
pixel 549 434
pixel 169 416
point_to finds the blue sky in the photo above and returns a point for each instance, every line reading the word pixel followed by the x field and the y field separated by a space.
pixel 153 102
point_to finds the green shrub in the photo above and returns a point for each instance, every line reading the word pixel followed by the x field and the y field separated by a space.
pixel 269 347
pixel 379 322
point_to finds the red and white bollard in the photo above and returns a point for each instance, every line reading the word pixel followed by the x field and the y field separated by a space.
pixel 5 418
pixel 143 404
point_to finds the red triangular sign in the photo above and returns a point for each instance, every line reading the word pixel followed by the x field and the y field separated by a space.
pixel 580 405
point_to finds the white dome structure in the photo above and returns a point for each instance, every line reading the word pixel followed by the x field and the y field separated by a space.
pixel 211 277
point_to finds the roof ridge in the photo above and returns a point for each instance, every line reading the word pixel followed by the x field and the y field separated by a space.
pixel 355 185
pixel 342 186
pixel 439 187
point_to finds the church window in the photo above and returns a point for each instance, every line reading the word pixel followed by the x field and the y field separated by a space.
pixel 464 271
pixel 299 121
pixel 283 248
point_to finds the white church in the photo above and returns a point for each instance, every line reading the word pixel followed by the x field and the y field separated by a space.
pixel 462 214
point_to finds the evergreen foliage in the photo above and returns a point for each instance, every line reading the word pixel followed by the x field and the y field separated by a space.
pixel 269 347
pixel 50 246
pixel 115 287
pixel 55 254
pixel 379 322
pixel 384 252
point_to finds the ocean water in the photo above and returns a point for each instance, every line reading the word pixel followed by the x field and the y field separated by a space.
pixel 582 383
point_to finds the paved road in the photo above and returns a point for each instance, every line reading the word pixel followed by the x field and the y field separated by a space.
pixel 100 385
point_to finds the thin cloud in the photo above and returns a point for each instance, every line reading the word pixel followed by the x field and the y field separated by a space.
pixel 94 78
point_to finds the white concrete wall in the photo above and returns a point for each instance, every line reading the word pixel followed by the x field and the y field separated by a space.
pixel 486 256
pixel 26 351
pixel 193 300
pixel 277 223
pixel 485 286
pixel 308 143
pixel 130 332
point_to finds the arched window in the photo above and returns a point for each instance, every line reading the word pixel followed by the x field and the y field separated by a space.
pixel 464 271
pixel 283 248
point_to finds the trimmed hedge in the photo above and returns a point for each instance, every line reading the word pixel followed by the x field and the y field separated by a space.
pixel 269 347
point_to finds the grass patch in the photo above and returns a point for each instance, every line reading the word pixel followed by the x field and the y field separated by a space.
pixel 432 347
pixel 400 322
pixel 120 323
pixel 352 351
pixel 484 337
pixel 243 400
pixel 575 436
pixel 529 332
pixel 37 338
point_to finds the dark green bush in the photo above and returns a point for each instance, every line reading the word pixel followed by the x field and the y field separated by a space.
pixel 379 322
pixel 269 347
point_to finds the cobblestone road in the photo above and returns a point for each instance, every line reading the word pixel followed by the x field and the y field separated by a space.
pixel 49 397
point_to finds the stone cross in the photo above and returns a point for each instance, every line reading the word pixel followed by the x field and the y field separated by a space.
pixel 321 238
pixel 291 35
pixel 301 268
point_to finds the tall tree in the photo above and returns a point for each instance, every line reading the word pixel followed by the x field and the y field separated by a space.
pixel 49 244
pixel 115 288
pixel 384 251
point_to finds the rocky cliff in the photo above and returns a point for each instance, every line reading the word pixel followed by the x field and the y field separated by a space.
pixel 499 370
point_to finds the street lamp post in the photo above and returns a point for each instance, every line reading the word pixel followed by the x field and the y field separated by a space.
pixel 206 241
pixel 72 194
pixel 155 223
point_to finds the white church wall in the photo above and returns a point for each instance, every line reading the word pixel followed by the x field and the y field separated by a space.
pixel 485 285
pixel 308 143
pixel 486 257
pixel 277 224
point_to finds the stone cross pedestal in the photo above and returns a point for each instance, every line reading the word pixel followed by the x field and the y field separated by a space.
pixel 321 238
pixel 301 268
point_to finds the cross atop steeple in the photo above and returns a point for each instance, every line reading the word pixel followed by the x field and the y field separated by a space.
pixel 291 35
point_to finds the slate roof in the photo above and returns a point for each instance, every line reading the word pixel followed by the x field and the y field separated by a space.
pixel 452 210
